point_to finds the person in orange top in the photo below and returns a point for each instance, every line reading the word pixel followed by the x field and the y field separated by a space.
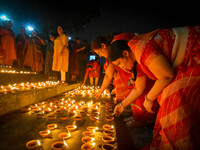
pixel 34 57
pixel 7 43
pixel 171 57
pixel 93 71
pixel 123 78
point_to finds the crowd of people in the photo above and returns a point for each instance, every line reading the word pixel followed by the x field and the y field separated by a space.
pixel 157 73
pixel 57 55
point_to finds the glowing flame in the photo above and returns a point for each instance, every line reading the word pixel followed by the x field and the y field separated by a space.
pixel 39 143
pixel 48 131
pixel 66 144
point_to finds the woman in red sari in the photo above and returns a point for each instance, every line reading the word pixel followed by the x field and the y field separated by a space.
pixel 122 77
pixel 171 57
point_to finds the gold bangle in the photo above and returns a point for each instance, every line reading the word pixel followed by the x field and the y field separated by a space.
pixel 149 101
pixel 121 105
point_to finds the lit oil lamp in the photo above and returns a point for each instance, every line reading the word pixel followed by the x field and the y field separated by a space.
pixel 107 127
pixel 87 139
pixel 44 133
pixel 64 117
pixel 78 118
pixel 109 119
pixel 64 135
pixel 108 147
pixel 31 145
pixel 51 117
pixel 109 132
pixel 94 118
pixel 108 139
pixel 51 126
pixel 71 127
pixel 88 133
pixel 92 128
pixel 88 146
pixel 59 145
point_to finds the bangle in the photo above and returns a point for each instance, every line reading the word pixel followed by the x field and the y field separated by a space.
pixel 149 101
pixel 121 105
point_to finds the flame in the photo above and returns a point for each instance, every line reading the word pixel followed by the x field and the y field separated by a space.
pixel 66 144
pixel 93 144
pixel 48 131
pixel 39 143
pixel 69 134
pixel 93 130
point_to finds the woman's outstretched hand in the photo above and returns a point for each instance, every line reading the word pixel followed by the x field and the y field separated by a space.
pixel 98 95
pixel 148 106
pixel 119 108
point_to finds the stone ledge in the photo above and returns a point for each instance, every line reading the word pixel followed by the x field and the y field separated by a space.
pixel 14 101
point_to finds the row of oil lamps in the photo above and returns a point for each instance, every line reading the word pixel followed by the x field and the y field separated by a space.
pixel 48 108
pixel 27 86
pixel 7 69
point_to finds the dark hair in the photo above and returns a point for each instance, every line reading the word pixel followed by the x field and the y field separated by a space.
pixel 96 42
pixel 78 38
pixel 116 49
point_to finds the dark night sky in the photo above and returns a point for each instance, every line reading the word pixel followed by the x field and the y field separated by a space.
pixel 114 16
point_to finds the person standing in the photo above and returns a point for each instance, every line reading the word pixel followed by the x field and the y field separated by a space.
pixel 21 46
pixel 34 57
pixel 7 43
pixel 61 53
pixel 49 56
pixel 74 59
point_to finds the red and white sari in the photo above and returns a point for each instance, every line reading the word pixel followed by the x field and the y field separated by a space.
pixel 123 89
pixel 178 119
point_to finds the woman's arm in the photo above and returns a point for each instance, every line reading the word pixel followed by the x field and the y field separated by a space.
pixel 164 73
pixel 107 79
pixel 140 85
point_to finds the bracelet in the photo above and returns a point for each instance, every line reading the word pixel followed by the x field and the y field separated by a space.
pixel 146 99
pixel 122 105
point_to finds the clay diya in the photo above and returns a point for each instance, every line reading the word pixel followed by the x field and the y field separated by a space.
pixel 94 118
pixel 94 113
pixel 109 118
pixel 44 133
pixel 24 110
pixel 108 114
pixel 71 127
pixel 106 127
pixel 51 126
pixel 92 128
pixel 64 135
pixel 87 139
pixel 78 118
pixel 108 139
pixel 64 117
pixel 88 146
pixel 59 145
pixel 51 117
pixel 83 113
pixel 88 133
pixel 39 115
pixel 108 147
pixel 59 111
pixel 108 132
pixel 33 144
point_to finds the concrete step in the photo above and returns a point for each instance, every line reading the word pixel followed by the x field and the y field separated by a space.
pixel 14 101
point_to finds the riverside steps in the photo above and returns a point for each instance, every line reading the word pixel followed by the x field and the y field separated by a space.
pixel 16 99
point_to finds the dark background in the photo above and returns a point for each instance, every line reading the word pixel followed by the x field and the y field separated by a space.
pixel 87 19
